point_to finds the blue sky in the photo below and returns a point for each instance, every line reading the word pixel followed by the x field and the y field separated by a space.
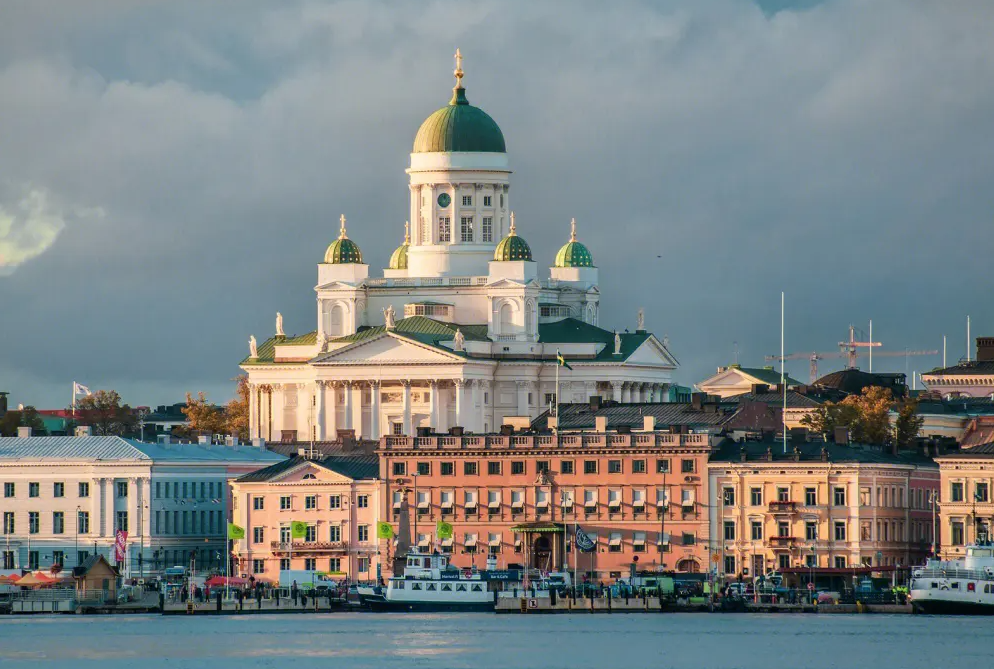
pixel 170 172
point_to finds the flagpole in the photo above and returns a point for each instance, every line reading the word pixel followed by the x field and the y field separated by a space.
pixel 558 426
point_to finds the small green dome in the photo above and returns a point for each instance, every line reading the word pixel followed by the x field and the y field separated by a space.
pixel 573 253
pixel 399 258
pixel 512 247
pixel 343 251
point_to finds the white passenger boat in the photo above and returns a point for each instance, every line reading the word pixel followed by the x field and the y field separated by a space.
pixel 964 586
pixel 430 583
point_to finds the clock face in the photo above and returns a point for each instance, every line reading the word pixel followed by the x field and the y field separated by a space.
pixel 444 200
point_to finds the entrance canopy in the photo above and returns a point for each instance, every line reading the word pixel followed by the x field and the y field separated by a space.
pixel 539 526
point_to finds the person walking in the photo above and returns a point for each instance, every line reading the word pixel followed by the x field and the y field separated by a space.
pixel 294 593
pixel 258 597
pixel 276 591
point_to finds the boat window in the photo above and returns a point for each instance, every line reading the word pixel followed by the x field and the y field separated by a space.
pixel 971 587
pixel 431 586
pixel 427 562
pixel 415 586
pixel 446 587
pixel 934 584
pixel 460 588
pixel 399 585
pixel 477 587
pixel 955 585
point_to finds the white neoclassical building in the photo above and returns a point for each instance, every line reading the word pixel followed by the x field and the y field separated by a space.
pixel 461 331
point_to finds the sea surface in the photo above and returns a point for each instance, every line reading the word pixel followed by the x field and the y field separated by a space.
pixel 482 641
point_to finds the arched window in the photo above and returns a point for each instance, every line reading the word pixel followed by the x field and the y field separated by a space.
pixel 688 566
pixel 530 318
pixel 308 477
pixel 337 328
pixel 505 319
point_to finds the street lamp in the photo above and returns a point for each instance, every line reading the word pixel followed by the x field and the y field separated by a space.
pixel 79 512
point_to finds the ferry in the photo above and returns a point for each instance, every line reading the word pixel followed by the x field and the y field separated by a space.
pixel 964 586
pixel 429 583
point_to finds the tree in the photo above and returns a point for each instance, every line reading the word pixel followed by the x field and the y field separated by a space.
pixel 203 415
pixel 908 424
pixel 26 417
pixel 867 416
pixel 105 414
pixel 237 411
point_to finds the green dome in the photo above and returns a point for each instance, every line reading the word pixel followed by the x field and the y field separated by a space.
pixel 573 253
pixel 459 126
pixel 512 247
pixel 343 251
pixel 399 258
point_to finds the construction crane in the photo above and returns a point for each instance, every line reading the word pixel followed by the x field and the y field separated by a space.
pixel 851 358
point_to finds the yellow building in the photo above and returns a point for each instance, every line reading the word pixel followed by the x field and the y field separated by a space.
pixel 965 509
pixel 838 509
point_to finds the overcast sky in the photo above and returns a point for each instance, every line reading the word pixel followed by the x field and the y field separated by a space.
pixel 170 172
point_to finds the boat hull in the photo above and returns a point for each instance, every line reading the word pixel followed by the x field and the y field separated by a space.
pixel 941 607
pixel 384 605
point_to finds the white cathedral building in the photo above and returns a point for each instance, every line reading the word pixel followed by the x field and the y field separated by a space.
pixel 461 331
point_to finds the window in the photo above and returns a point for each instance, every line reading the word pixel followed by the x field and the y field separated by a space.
pixel 58 522
pixel 284 564
pixel 59 558
pixel 688 466
pixel 363 565
pixel 501 200
pixel 335 565
pixel 8 522
pixel 517 467
pixel 311 502
pixel 729 530
pixel 811 530
pixel 542 467
pixel 729 564
pixel 981 492
pixel 638 466
pixel 8 489
pixel 784 560
pixel 424 469
pixel 33 489
pixel 614 466
pixel 840 530
pixel 33 562
pixel 444 229
pixel 783 494
pixel 311 535
pixel 334 501
pixel 121 521
pixel 589 466
pixel 488 228
pixel 58 490
pixel 258 535
pixel 839 497
pixel 689 539
pixel 400 469
pixel 810 497
pixel 493 468
pixel 840 562
pixel 33 522
pixel 956 492
pixel 756 529
pixel 783 529
pixel 864 497
pixel 756 496
pixel 363 533
pixel 810 560
pixel 956 532
pixel 362 501
pixel 334 533
pixel 258 566
pixel 466 229
pixel 258 503
pixel 662 466
pixel 467 200
pixel 488 200
pixel 728 497
pixel 565 466
pixel 84 489
pixel 84 522
pixel 448 468
pixel 470 468
pixel 285 503
pixel 310 564
pixel 397 429
pixel 122 489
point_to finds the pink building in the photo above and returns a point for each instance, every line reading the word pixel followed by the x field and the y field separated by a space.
pixel 336 496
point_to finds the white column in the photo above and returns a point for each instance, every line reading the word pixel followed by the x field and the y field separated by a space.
pixel 319 420
pixel 590 388
pixel 96 504
pixel 433 405
pixel 146 501
pixel 356 391
pixel 626 393
pixel 253 411
pixel 474 414
pixel 522 398
pixel 460 402
pixel 109 508
pixel 486 406
pixel 331 388
pixel 408 430
pixel 347 419
pixel 374 410
pixel 277 412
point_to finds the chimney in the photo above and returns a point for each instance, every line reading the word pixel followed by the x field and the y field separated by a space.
pixel 824 454
pixel 84 431
pixel 743 454
pixel 648 423
pixel 3 403
pixel 259 442
pixel 23 432
pixel 203 439
pixel 595 403
pixel 600 424
pixel 985 351
pixel 697 400
pixel 842 436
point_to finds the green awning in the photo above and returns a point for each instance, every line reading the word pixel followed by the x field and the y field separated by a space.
pixel 525 528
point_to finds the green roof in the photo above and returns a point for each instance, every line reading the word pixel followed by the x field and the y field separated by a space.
pixel 512 248
pixel 574 254
pixel 267 349
pixel 459 126
pixel 343 251
pixel 399 258
pixel 424 330
pixel 573 331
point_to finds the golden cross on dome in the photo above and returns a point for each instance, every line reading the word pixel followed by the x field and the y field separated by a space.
pixel 512 232
pixel 458 72
pixel 407 232
pixel 342 235
pixel 572 229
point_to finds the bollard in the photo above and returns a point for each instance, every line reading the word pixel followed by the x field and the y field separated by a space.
pixel 609 601
pixel 552 597
pixel 218 600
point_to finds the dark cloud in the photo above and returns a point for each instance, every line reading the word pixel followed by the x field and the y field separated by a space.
pixel 713 155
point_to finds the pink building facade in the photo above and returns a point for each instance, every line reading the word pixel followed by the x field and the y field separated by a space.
pixel 337 497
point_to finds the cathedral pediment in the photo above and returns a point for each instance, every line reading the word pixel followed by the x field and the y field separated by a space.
pixel 652 352
pixel 385 349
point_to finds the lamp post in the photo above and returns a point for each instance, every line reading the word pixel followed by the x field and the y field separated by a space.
pixel 79 511
pixel 414 476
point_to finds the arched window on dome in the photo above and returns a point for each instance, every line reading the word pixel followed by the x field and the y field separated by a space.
pixel 530 317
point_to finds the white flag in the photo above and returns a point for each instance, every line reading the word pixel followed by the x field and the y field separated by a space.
pixel 80 389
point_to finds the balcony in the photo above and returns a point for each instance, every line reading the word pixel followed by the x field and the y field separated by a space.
pixel 783 507
pixel 783 542
pixel 309 547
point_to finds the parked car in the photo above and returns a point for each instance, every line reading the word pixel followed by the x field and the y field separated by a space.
pixel 740 589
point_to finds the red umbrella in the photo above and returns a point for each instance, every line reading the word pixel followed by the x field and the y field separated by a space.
pixel 35 579
pixel 221 581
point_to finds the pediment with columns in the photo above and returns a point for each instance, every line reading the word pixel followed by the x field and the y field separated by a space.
pixel 385 349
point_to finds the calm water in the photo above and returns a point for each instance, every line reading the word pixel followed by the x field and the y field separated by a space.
pixel 697 641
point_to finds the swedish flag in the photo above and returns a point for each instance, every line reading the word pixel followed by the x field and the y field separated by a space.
pixel 562 361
